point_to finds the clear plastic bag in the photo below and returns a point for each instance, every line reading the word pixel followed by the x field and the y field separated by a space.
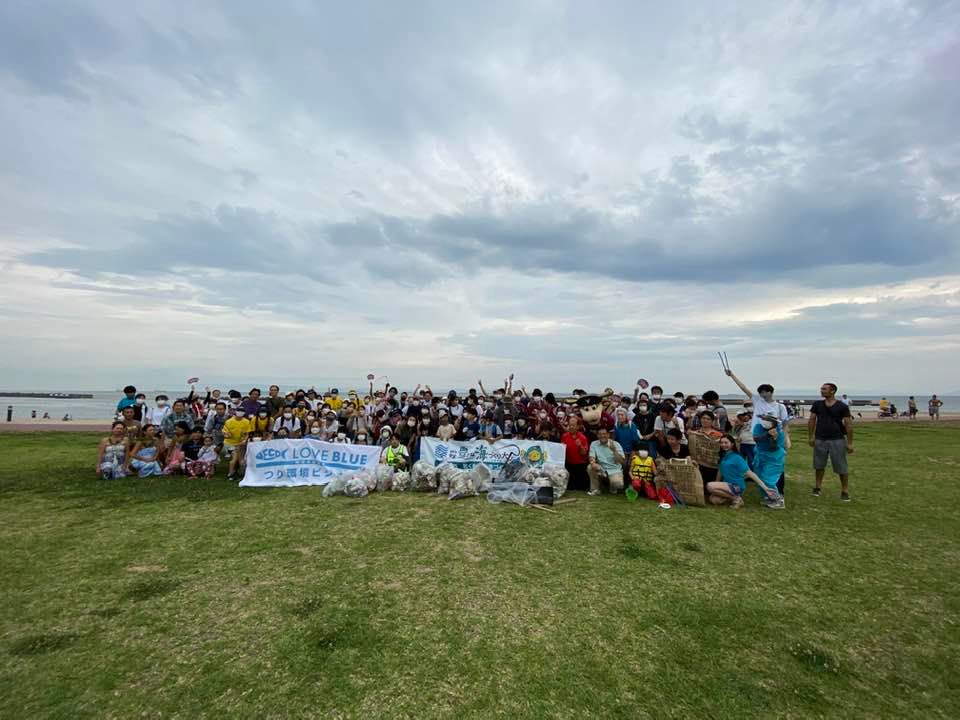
pixel 384 476
pixel 401 480
pixel 461 485
pixel 514 471
pixel 423 476
pixel 555 476
pixel 368 478
pixel 335 486
pixel 355 487
pixel 443 473
pixel 482 477
pixel 518 493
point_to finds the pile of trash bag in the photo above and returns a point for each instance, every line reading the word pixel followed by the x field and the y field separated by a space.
pixel 423 476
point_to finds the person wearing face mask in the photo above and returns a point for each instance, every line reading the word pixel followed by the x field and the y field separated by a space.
pixel 764 403
pixel 361 438
pixel 260 420
pixel 408 434
pixel 139 407
pixel 288 421
pixel 643 473
pixel 234 404
pixel 656 398
pixel 468 428
pixel 395 454
pixel 236 429
pixel 385 434
pixel 769 455
pixel 428 424
pixel 157 414
pixel 644 419
pixel 314 431
pixel 522 429
pixel 341 439
pixel 330 424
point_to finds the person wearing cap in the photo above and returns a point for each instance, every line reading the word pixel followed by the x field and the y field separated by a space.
pixel 446 430
pixel 606 462
pixel 333 399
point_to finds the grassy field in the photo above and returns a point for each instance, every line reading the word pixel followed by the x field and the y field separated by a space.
pixel 177 598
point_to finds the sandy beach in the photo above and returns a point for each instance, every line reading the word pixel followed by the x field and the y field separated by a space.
pixel 94 425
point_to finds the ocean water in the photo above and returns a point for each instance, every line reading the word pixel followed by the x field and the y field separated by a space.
pixel 103 404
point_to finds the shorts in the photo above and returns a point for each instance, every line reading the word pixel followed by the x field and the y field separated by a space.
pixel 229 450
pixel 835 449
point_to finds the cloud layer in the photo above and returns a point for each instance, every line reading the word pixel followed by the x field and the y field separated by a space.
pixel 580 194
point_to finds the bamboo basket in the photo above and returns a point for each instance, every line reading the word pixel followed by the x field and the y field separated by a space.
pixel 704 449
pixel 685 478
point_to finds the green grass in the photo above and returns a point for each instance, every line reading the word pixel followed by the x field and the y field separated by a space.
pixel 170 597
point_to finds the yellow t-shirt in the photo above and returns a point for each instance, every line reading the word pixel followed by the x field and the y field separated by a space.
pixel 235 431
pixel 642 468
pixel 333 401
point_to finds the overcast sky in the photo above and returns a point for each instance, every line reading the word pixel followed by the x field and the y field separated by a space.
pixel 580 192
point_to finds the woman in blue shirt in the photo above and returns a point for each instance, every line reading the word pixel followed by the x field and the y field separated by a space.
pixel 732 476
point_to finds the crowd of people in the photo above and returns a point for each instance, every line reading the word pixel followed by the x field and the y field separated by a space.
pixel 612 440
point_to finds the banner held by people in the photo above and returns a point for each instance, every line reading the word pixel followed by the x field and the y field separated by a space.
pixel 288 463
pixel 465 455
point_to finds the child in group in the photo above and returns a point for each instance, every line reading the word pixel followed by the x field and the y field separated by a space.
pixel 643 473
pixel 206 460
pixel 131 425
pixel 446 429
pixel 235 432
pixel 145 456
pixel 175 454
pixel 744 433
pixel 112 456
pixel 732 475
pixel 770 454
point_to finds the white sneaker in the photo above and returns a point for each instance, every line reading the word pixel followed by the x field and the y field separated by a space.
pixel 593 493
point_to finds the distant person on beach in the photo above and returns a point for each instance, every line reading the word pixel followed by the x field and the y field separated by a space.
pixel 830 434
pixel 912 407
pixel 933 407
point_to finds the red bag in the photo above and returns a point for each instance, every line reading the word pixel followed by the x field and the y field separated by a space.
pixel 665 496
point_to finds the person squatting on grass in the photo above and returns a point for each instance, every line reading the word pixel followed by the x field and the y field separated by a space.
pixel 732 475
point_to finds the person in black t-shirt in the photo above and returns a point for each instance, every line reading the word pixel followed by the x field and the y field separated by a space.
pixel 830 434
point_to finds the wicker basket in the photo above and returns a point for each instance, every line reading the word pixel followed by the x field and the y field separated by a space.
pixel 704 449
pixel 685 478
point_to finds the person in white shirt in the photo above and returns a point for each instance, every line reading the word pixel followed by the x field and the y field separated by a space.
pixel 765 404
pixel 155 415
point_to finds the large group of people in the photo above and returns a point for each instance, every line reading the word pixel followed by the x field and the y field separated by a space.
pixel 613 440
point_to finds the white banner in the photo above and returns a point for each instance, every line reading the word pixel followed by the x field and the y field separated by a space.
pixel 286 463
pixel 468 454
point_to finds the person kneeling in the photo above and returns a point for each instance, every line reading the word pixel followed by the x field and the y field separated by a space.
pixel 732 475
pixel 606 462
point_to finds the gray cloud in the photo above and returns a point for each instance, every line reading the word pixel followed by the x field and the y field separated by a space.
pixel 310 161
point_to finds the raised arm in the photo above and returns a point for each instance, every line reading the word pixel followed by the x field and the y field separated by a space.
pixel 746 391
pixel 482 389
